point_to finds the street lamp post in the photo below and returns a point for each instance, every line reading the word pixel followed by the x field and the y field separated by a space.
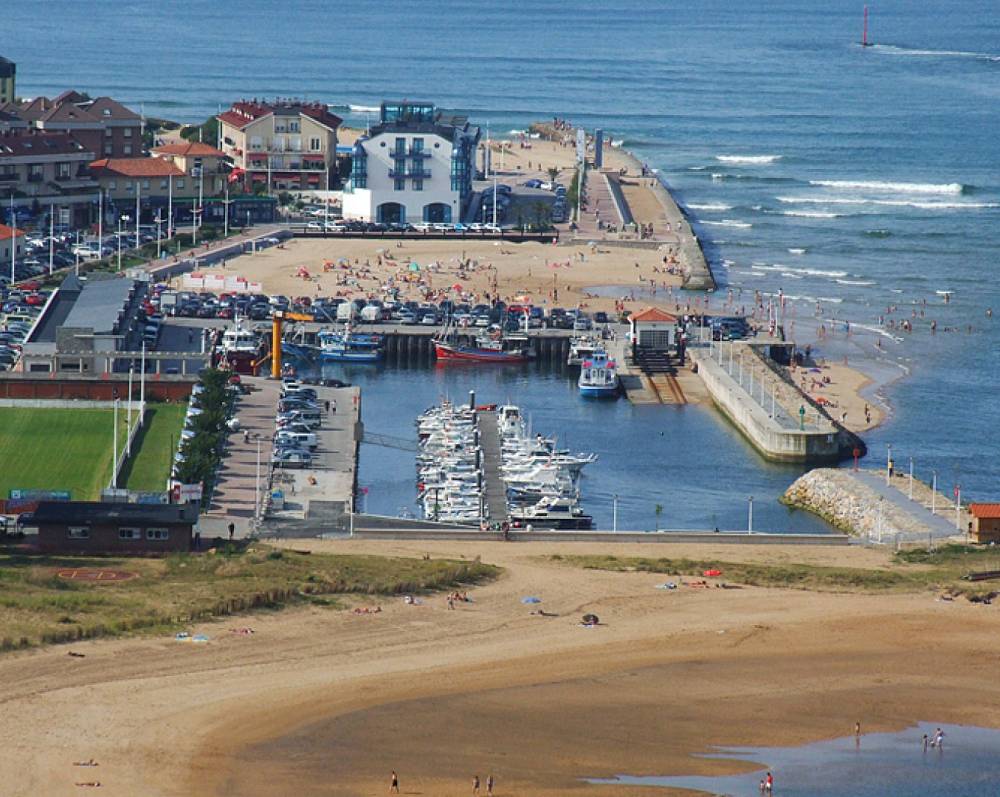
pixel 750 515
pixel 114 446
pixel 256 484
pixel 614 512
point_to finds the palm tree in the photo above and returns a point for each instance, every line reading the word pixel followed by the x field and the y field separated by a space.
pixel 659 511
pixel 553 173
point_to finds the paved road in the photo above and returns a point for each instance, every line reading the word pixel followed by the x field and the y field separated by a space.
pixel 936 525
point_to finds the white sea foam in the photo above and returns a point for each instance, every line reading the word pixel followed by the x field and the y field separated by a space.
pixel 944 293
pixel 811 214
pixel 709 206
pixel 892 49
pixel 791 276
pixel 718 176
pixel 743 225
pixel 855 282
pixel 365 108
pixel 796 251
pixel 899 203
pixel 516 132
pixel 697 168
pixel 889 187
pixel 749 160
pixel 810 272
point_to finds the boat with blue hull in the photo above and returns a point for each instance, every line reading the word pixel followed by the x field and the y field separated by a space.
pixel 347 347
pixel 598 376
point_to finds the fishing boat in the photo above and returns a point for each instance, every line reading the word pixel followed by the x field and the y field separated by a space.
pixel 581 348
pixel 240 348
pixel 598 376
pixel 491 348
pixel 345 346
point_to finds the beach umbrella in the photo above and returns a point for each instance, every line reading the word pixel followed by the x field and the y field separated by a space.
pixel 414 266
pixel 712 573
pixel 456 287
pixel 531 599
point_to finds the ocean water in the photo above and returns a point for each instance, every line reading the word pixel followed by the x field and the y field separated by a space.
pixel 881 765
pixel 848 179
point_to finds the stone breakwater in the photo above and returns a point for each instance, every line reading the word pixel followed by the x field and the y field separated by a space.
pixel 841 499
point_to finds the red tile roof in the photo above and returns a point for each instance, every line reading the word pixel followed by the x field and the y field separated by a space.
pixel 189 149
pixel 985 510
pixel 654 314
pixel 136 167
pixel 20 143
pixel 5 232
pixel 243 113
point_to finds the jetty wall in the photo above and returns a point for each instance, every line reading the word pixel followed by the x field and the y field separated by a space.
pixel 775 439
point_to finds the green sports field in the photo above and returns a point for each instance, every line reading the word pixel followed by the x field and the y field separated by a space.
pixel 149 467
pixel 57 449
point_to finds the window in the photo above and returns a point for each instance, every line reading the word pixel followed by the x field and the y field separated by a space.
pixel 180 185
pixel 128 185
pixel 64 171
pixel 418 185
pixel 129 533
pixel 157 534
pixel 418 145
pixel 112 185
pixel 315 144
pixel 399 185
pixel 163 183
pixel 400 145
pixel 108 149
pixel 293 127
pixel 145 183
pixel 79 532
pixel 107 132
pixel 127 149
pixel 127 132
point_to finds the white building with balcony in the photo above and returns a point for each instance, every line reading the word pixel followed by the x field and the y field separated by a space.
pixel 281 146
pixel 416 165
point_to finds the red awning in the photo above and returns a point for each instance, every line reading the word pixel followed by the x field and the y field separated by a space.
pixel 258 156
pixel 313 178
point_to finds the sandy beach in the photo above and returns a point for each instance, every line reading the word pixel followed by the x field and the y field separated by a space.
pixel 321 701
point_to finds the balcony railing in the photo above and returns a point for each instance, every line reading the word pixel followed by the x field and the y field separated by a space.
pixel 411 175
pixel 418 153
pixel 36 178
pixel 8 177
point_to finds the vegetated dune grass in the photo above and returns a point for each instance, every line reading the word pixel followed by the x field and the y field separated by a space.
pixel 38 606
pixel 910 571
pixel 57 449
pixel 149 467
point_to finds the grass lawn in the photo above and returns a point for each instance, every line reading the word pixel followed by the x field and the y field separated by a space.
pixel 57 449
pixel 149 467
pixel 916 570
pixel 37 606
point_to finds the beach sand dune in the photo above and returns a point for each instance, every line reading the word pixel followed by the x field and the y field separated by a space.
pixel 330 702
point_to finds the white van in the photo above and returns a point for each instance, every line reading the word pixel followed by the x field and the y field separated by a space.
pixel 307 439
pixel 347 311
pixel 371 314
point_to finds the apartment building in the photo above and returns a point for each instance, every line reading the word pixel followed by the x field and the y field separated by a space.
pixel 39 164
pixel 202 164
pixel 417 164
pixel 285 145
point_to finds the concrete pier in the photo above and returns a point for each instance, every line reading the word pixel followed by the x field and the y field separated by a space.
pixel 495 493
pixel 753 398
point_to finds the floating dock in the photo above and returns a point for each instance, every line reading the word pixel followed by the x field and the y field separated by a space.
pixel 495 497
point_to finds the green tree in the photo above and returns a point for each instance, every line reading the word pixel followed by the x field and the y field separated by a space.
pixel 553 173
pixel 659 511
pixel 209 131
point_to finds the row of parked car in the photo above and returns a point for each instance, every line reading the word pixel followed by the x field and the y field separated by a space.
pixel 19 309
pixel 376 227
pixel 299 416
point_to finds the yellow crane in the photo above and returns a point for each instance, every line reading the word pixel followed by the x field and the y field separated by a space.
pixel 277 320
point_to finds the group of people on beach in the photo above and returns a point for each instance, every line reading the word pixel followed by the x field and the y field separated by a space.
pixel 477 784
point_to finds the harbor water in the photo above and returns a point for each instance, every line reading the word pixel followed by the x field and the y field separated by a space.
pixel 880 765
pixel 851 179
pixel 687 460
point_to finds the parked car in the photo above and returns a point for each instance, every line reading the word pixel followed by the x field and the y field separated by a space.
pixel 291 459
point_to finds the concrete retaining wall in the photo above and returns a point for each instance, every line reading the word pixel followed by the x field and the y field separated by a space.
pixel 709 537
pixel 768 436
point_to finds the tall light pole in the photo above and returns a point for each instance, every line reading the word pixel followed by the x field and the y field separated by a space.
pixel 114 447
pixel 256 484
pixel 159 232
pixel 614 512
pixel 13 240
pixel 170 206
pixel 138 243
pixel 119 237
pixel 225 218
pixel 52 236
pixel 750 515
pixel 100 221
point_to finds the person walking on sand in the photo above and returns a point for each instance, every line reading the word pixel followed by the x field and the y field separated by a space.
pixel 769 783
pixel 394 784
pixel 475 784
pixel 489 784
